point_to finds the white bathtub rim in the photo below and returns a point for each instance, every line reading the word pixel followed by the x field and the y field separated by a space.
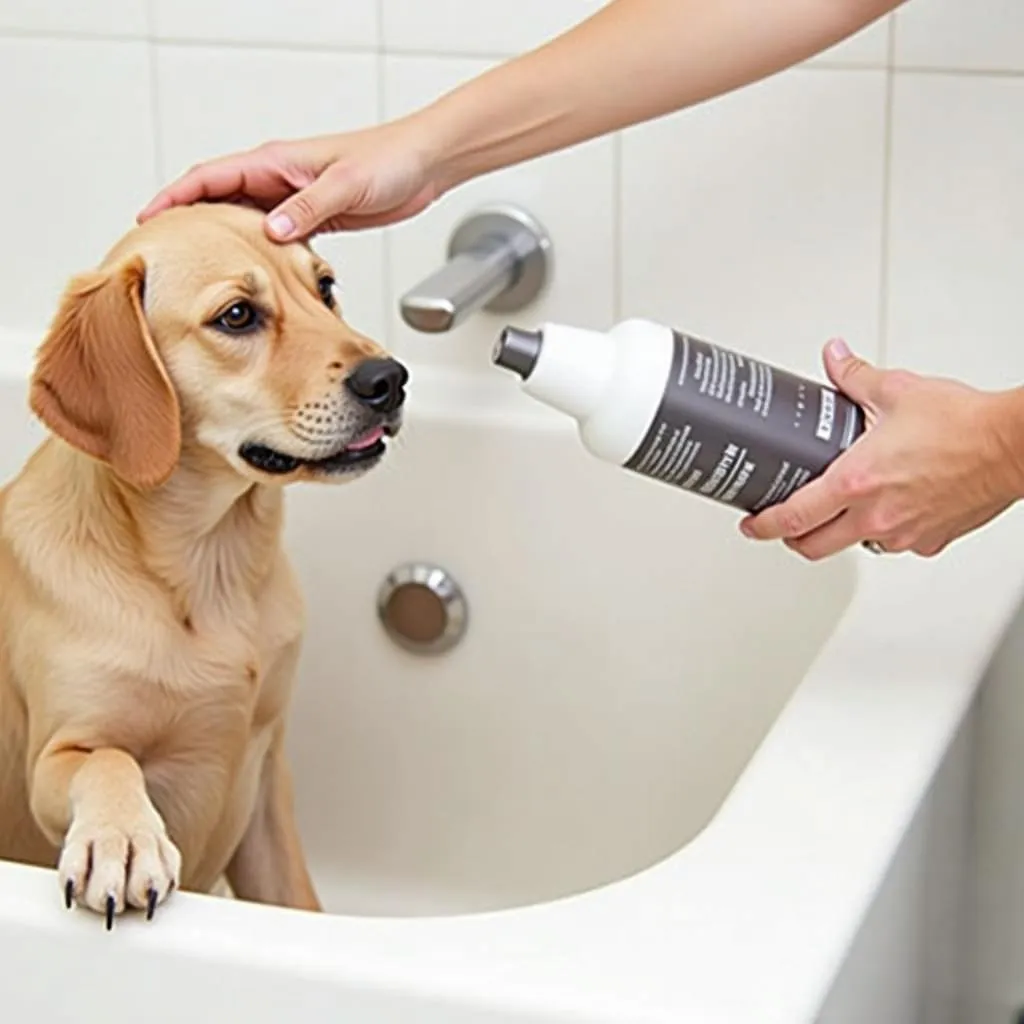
pixel 733 904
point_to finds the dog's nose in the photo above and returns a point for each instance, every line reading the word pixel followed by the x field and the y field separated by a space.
pixel 379 384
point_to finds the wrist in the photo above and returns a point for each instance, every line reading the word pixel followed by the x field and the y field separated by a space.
pixel 455 143
pixel 437 132
pixel 416 137
pixel 504 117
pixel 1006 426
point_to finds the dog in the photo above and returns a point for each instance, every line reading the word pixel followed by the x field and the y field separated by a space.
pixel 150 621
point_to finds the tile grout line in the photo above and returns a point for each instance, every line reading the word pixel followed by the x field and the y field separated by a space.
pixel 887 146
pixel 64 36
pixel 154 93
pixel 199 42
pixel 951 72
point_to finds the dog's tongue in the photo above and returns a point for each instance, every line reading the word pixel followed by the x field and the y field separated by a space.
pixel 368 439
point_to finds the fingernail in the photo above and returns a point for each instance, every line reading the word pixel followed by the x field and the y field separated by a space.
pixel 281 225
pixel 838 348
pixel 746 529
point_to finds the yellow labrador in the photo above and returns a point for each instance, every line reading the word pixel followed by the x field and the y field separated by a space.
pixel 150 622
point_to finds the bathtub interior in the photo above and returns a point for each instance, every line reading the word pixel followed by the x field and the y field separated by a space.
pixel 626 653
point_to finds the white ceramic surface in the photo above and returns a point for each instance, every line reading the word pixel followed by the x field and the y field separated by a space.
pixel 982 35
pixel 757 219
pixel 78 161
pixel 451 26
pixel 72 17
pixel 304 23
pixel 956 243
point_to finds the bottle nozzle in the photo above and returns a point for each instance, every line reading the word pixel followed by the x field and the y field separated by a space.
pixel 517 350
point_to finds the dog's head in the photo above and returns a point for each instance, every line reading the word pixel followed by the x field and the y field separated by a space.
pixel 198 329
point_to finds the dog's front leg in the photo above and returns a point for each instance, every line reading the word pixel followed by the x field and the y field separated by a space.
pixel 115 851
pixel 269 865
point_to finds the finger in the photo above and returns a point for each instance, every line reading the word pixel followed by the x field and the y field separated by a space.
pixel 855 377
pixel 300 215
pixel 156 205
pixel 212 181
pixel 835 536
pixel 812 506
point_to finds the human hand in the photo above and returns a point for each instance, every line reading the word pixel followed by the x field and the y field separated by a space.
pixel 939 459
pixel 349 181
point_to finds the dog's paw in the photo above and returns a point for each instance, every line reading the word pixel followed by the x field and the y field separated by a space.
pixel 110 865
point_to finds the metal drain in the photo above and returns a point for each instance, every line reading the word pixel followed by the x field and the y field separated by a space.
pixel 422 608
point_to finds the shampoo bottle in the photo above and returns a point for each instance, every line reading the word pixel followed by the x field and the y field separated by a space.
pixel 682 410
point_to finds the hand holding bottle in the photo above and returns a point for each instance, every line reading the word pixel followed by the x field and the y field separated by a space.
pixel 939 460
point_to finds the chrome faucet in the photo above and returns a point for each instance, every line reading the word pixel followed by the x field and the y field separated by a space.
pixel 499 259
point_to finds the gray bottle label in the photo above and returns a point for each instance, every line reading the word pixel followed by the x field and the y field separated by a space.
pixel 739 431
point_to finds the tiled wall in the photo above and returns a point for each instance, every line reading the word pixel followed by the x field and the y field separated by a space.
pixel 877 192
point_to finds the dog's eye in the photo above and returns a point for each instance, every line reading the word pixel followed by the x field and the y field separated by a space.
pixel 326 288
pixel 238 318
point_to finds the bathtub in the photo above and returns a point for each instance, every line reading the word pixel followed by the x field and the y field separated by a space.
pixel 667 775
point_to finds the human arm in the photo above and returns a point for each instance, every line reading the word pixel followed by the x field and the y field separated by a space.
pixel 632 61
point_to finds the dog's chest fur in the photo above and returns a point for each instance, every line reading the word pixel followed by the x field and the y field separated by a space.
pixel 180 652
pixel 203 765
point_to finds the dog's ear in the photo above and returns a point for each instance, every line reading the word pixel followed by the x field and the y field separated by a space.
pixel 99 382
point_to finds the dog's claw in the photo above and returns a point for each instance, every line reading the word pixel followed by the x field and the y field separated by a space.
pixel 111 907
pixel 151 897
pixel 69 893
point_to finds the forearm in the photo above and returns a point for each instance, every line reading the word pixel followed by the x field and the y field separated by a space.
pixel 632 61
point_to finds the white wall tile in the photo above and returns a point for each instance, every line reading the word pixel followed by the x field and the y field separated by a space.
pixel 482 27
pixel 986 35
pixel 110 17
pixel 215 101
pixel 274 22
pixel 78 163
pixel 571 193
pixel 869 47
pixel 956 270
pixel 756 219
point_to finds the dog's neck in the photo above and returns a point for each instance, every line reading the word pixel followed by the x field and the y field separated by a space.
pixel 201 496
pixel 207 532
pixel 209 536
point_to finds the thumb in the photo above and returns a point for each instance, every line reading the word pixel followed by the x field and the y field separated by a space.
pixel 855 377
pixel 300 215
